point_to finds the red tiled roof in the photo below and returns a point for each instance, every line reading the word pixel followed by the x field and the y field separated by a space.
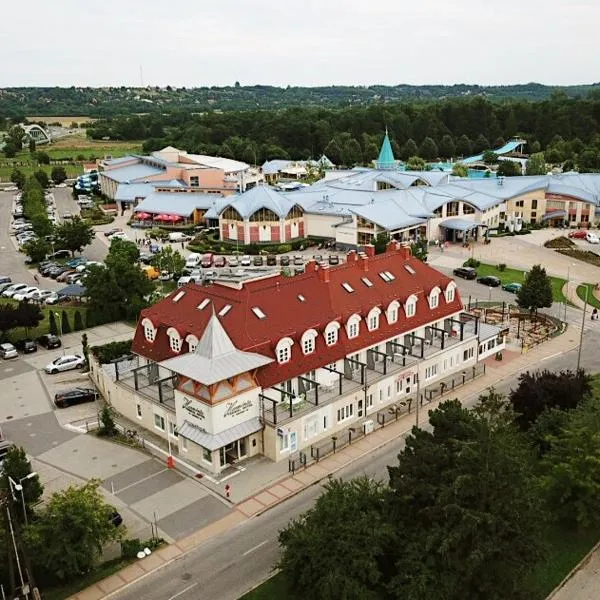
pixel 288 316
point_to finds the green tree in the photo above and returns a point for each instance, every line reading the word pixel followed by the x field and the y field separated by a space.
pixel 107 422
pixel 409 149
pixel 52 327
pixel 420 249
pixel 351 153
pixel 481 143
pixel 43 158
pixel 536 165
pixel 382 239
pixel 42 225
pixel 509 168
pixel 8 318
pixel 18 178
pixel 70 532
pixel 28 315
pixel 169 260
pixel 58 174
pixel 540 391
pixel 77 321
pixel 460 170
pixel 415 163
pixel 490 157
pixel 446 147
pixel 465 509
pixel 535 148
pixel 16 465
pixel 16 135
pixel 32 146
pixel 428 149
pixel 37 250
pixel 42 177
pixel 464 146
pixel 536 291
pixel 553 156
pixel 85 348
pixel 74 235
pixel 10 150
pixel 335 549
pixel 333 152
pixel 64 322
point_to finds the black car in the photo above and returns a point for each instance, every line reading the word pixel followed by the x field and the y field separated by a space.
pixel 257 261
pixel 49 341
pixel 26 346
pixel 284 261
pixel 334 259
pixel 73 396
pixel 489 280
pixel 271 260
pixel 465 272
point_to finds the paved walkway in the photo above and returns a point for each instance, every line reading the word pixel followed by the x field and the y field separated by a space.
pixel 290 485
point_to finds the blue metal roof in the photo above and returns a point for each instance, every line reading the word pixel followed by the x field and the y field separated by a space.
pixel 132 173
pixel 459 224
pixel 173 203
pixel 261 196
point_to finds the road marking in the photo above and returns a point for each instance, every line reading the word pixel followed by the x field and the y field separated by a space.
pixel 551 356
pixel 183 591
pixel 255 548
pixel 139 481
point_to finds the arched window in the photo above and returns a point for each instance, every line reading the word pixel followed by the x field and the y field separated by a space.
pixel 373 318
pixel 392 311
pixel 450 292
pixel 283 350
pixel 149 330
pixel 295 213
pixel 264 214
pixel 231 214
pixel 308 341
pixel 434 297
pixel 331 333
pixel 174 339
pixel 410 306
pixel 353 326
pixel 192 342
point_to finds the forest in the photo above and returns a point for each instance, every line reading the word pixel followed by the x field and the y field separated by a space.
pixel 112 101
pixel 565 129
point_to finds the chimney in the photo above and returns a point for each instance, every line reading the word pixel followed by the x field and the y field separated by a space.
pixel 393 246
pixel 370 250
pixel 363 261
pixel 352 256
pixel 323 273
pixel 405 252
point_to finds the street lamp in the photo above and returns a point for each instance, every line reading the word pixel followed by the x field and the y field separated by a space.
pixel 61 329
pixel 568 283
pixel 587 289
pixel 18 487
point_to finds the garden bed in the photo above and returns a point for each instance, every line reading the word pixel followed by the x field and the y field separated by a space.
pixel 584 255
pixel 559 243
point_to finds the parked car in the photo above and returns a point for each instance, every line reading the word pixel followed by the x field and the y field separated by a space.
pixel 592 238
pixel 489 280
pixel 65 274
pixel 318 258
pixel 246 261
pixel 513 287
pixel 299 260
pixel 220 261
pixel 178 236
pixel 165 276
pixel 52 299
pixel 67 215
pixel 77 395
pixel 67 362
pixel 5 279
pixel 334 259
pixel 284 261
pixel 271 260
pixel 151 272
pixel 26 346
pixel 257 261
pixel 234 261
pixel 207 260
pixel 112 231
pixel 8 351
pixel 56 271
pixel 59 254
pixel 119 235
pixel 75 262
pixel 4 286
pixel 579 234
pixel 41 295
pixel 49 341
pixel 13 289
pixel 24 293
pixel 465 272
pixel 146 257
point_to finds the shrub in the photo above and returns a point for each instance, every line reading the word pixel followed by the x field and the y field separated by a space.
pixel 111 351
pixel 472 262
pixel 502 267
pixel 89 319
pixel 284 248
pixel 52 327
pixel 130 548
pixel 107 423
pixel 559 242
pixel 64 322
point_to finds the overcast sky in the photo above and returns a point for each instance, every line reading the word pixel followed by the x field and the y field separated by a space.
pixel 299 42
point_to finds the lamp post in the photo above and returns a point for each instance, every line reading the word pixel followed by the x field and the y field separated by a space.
pixel 568 283
pixel 587 289
pixel 56 314
pixel 18 487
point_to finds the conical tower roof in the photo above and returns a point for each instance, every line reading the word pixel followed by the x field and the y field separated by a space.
pixel 386 158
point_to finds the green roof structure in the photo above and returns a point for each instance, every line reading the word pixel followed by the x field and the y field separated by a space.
pixel 386 158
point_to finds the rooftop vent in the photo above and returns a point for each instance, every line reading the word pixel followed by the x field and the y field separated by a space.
pixel 225 310
pixel 347 287
pixel 179 296
pixel 203 304
pixel 301 298
pixel 367 281
pixel 259 313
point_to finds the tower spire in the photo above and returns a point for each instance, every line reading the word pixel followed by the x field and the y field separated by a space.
pixel 386 158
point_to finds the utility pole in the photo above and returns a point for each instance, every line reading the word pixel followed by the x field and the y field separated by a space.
pixel 587 289
pixel 418 398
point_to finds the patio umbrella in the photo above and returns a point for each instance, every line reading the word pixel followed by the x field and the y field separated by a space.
pixel 174 218
pixel 161 218
pixel 142 216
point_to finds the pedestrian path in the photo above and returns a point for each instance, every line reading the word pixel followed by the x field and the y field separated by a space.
pixel 292 484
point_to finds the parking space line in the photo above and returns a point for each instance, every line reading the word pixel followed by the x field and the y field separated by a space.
pixel 183 591
pixel 139 481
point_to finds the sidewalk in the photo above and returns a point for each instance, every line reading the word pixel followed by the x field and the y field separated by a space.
pixel 291 485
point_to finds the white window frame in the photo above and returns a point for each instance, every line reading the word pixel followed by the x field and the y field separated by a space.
pixel 392 312
pixel 353 326
pixel 434 297
pixel 175 341
pixel 308 341
pixel 208 462
pixel 410 306
pixel 283 350
pixel 173 429
pixel 450 292
pixel 373 318
pixel 430 372
pixel 345 412
pixel 331 333
pixel 161 422
pixel 149 330
pixel 192 342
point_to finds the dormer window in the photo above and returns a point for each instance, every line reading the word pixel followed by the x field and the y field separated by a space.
pixel 174 339
pixel 331 333
pixel 308 341
pixel 434 297
pixel 392 312
pixel 192 342
pixel 410 307
pixel 450 292
pixel 373 319
pixel 352 326
pixel 149 330
pixel 283 350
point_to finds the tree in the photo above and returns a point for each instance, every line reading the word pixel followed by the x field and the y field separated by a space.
pixel 428 149
pixel 31 146
pixel 69 533
pixel 8 318
pixel 43 158
pixel 16 465
pixel 334 550
pixel 85 348
pixel 490 157
pixel 10 150
pixel 28 315
pixel 37 250
pixel 333 152
pixel 509 168
pixel 18 178
pixel 415 163
pixel 77 321
pixel 464 146
pixel 460 170
pixel 446 147
pixel 169 260
pixel 74 235
pixel 536 165
pixel 52 327
pixel 64 322
pixel 42 177
pixel 540 391
pixel 481 143
pixel 420 249
pixel 465 509
pixel 42 225
pixel 107 423
pixel 409 149
pixel 382 239
pixel 536 291
pixel 58 174
pixel 535 148
pixel 351 153
pixel 16 135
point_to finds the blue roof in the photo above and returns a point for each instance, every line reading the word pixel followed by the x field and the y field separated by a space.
pixel 386 158
pixel 132 173
pixel 126 192
pixel 173 203
pixel 272 167
pixel 459 224
pixel 261 196
pixel 118 161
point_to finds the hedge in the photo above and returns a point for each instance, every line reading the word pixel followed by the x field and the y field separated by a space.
pixel 111 351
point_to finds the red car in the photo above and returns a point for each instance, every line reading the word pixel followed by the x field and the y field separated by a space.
pixel 220 261
pixel 579 234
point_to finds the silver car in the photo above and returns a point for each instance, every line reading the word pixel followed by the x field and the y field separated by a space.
pixel 8 351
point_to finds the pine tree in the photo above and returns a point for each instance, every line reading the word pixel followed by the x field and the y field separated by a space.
pixel 52 328
pixel 78 321
pixel 66 326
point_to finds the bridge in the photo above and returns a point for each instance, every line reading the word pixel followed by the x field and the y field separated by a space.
pixel 37 133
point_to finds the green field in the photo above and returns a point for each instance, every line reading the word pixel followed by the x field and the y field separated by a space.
pixel 591 299
pixel 518 276
pixel 72 170
pixel 89 149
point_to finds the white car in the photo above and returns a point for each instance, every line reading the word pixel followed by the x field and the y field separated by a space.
pixel 24 293
pixel 41 295
pixel 65 363
pixel 246 261
pixel 118 235
pixel 13 289
pixel 8 351
pixel 53 298
pixel 85 266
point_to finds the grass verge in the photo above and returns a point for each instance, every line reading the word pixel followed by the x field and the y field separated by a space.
pixel 591 298
pixel 517 276
pixel 275 588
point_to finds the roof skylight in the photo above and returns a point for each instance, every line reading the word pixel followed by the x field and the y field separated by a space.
pixel 179 296
pixel 203 304
pixel 391 276
pixel 367 281
pixel 347 287
pixel 301 298
pixel 410 269
pixel 259 313
pixel 225 310
pixel 384 276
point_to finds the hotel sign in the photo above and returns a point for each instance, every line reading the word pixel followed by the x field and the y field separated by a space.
pixel 237 408
pixel 194 411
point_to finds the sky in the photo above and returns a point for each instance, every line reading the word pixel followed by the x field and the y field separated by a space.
pixel 301 42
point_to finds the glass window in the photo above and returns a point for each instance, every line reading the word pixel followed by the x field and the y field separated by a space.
pixel 309 345
pixel 434 301
pixel 411 308
pixel 138 410
pixel 175 343
pixel 284 354
pixel 331 337
pixel 353 329
pixel 149 333
pixel 173 429
pixel 450 295
pixel 194 181
pixel 373 322
pixel 206 455
pixel 159 422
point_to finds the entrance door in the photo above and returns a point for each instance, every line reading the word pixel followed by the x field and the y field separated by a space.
pixel 293 441
pixel 242 452
pixel 295 232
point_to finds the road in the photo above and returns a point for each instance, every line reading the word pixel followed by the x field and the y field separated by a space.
pixel 227 566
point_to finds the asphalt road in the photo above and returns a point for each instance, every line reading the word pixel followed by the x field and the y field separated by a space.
pixel 226 567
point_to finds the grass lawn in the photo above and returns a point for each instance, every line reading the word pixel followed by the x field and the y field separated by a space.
pixel 518 276
pixel 72 147
pixel 592 300
pixel 275 588
pixel 72 170
pixel 69 589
